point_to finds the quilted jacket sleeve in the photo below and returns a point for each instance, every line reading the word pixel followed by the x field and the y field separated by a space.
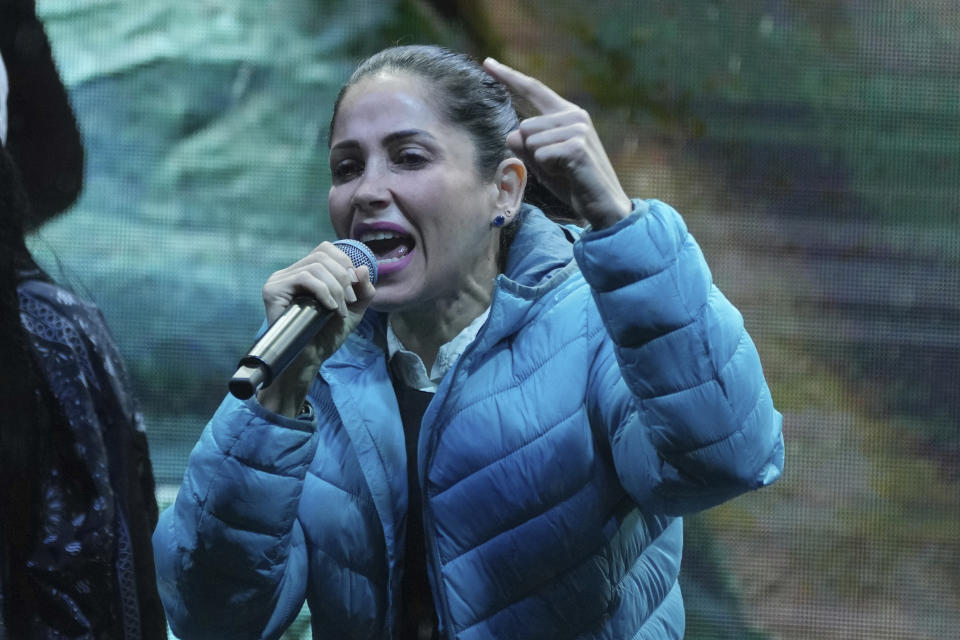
pixel 230 553
pixel 677 381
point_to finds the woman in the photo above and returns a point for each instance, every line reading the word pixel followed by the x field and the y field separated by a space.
pixel 584 389
pixel 77 503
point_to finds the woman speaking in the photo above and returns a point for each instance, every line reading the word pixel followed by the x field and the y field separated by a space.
pixel 498 438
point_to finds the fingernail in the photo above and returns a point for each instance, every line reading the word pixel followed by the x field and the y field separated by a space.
pixel 350 295
pixel 353 275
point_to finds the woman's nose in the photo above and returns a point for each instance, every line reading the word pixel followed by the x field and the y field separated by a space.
pixel 372 190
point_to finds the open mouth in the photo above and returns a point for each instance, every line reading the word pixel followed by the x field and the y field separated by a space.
pixel 388 246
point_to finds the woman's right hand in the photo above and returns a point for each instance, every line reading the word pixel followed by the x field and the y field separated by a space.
pixel 327 275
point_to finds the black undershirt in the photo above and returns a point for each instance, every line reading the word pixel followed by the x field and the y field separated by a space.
pixel 418 617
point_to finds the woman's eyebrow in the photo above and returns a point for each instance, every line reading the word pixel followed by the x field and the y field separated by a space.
pixel 407 133
pixel 388 139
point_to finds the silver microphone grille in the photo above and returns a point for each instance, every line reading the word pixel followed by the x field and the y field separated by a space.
pixel 360 255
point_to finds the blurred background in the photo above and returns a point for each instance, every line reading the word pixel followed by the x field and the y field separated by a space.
pixel 813 147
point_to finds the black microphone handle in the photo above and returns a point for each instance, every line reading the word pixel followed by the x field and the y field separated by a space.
pixel 297 326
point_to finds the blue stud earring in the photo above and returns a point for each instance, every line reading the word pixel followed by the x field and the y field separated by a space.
pixel 500 219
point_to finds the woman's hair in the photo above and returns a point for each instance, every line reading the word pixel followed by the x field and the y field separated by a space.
pixel 24 435
pixel 43 137
pixel 465 94
pixel 33 432
pixel 469 97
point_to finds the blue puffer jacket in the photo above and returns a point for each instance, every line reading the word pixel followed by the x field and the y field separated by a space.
pixel 556 456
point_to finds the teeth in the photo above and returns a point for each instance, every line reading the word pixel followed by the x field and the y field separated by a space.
pixel 380 235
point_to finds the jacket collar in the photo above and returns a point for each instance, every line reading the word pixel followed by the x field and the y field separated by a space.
pixel 540 259
pixel 541 249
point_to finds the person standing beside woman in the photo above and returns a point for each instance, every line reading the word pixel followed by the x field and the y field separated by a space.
pixel 77 504
pixel 498 439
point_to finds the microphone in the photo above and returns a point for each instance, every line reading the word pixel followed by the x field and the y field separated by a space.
pixel 291 332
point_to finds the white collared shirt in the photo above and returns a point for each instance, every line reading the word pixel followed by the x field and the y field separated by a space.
pixel 410 368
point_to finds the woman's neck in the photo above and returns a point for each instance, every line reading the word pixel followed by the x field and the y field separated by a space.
pixel 425 329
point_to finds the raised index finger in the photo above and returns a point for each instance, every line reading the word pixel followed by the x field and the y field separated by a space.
pixel 542 97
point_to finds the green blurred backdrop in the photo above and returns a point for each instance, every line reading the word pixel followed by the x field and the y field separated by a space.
pixel 814 148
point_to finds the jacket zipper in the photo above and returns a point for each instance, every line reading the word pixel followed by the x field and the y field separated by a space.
pixel 433 557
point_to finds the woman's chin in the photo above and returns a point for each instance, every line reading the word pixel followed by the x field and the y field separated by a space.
pixel 390 298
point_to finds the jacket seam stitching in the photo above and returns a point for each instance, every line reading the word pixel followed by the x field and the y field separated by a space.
pixel 671 261
pixel 741 427
pixel 357 497
pixel 346 566
pixel 226 453
pixel 740 424
pixel 506 455
pixel 536 588
pixel 516 381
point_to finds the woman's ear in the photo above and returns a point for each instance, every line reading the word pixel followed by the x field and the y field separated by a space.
pixel 510 180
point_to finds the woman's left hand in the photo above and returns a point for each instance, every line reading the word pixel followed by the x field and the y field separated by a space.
pixel 562 148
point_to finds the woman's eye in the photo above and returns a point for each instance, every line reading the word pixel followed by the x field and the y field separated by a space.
pixel 346 169
pixel 411 159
